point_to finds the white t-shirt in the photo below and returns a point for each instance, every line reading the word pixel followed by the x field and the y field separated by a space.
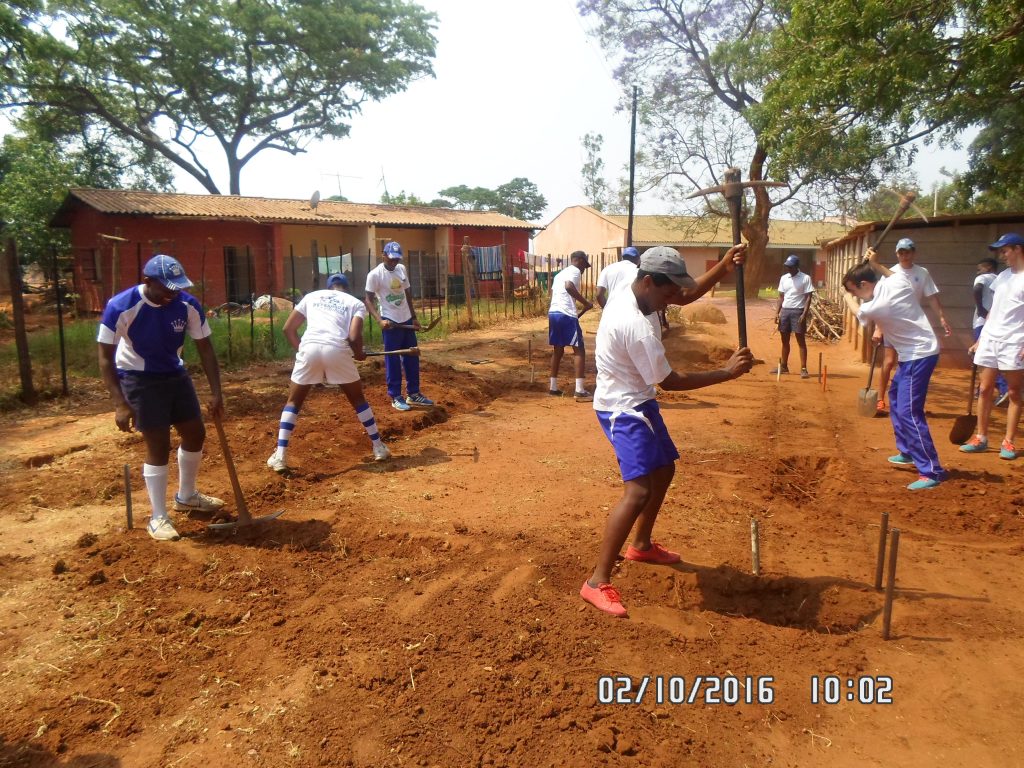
pixel 1005 321
pixel 389 287
pixel 629 356
pixel 919 277
pixel 985 281
pixel 329 316
pixel 896 310
pixel 617 276
pixel 561 302
pixel 793 288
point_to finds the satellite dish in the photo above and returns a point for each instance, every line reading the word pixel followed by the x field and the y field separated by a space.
pixel 314 201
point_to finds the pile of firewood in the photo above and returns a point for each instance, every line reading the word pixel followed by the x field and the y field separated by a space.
pixel 825 320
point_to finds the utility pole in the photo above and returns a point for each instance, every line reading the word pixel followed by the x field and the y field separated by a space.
pixel 632 169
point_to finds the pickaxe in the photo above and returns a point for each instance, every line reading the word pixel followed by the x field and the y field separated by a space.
pixel 732 190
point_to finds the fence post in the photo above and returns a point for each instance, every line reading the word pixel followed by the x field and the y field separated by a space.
pixel 466 281
pixel 60 324
pixel 28 392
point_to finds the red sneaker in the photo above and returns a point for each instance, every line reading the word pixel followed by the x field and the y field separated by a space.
pixel 657 554
pixel 604 597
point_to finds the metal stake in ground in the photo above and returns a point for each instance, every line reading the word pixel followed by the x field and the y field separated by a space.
pixel 128 496
pixel 882 535
pixel 732 190
pixel 890 584
pixel 755 546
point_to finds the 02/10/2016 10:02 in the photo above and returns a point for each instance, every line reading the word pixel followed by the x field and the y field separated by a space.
pixel 832 689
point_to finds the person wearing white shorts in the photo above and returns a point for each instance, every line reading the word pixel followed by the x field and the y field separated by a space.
pixel 1000 348
pixel 327 352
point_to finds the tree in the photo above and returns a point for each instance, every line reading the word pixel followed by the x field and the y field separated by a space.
pixel 52 153
pixel 178 75
pixel 466 198
pixel 520 199
pixel 401 199
pixel 595 188
pixel 705 66
pixel 993 181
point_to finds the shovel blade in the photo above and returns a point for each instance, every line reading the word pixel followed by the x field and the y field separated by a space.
pixel 963 429
pixel 233 524
pixel 867 402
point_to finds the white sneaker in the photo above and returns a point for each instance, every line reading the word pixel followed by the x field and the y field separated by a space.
pixel 277 464
pixel 381 452
pixel 198 502
pixel 160 528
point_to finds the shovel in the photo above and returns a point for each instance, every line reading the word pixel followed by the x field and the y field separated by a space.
pixel 867 398
pixel 244 518
pixel 964 426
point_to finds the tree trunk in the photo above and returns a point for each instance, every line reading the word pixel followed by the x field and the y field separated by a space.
pixel 755 229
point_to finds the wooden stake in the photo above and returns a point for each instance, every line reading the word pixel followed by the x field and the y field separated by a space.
pixel 880 565
pixel 128 496
pixel 890 585
pixel 824 379
pixel 819 367
pixel 778 371
pixel 755 547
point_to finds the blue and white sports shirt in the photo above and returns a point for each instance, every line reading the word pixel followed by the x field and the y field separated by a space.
pixel 149 337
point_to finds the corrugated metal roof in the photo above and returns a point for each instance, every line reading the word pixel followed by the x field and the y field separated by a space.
pixel 265 210
pixel 696 231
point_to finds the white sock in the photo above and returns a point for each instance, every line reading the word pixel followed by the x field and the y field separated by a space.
pixel 188 469
pixel 156 487
pixel 554 383
pixel 580 385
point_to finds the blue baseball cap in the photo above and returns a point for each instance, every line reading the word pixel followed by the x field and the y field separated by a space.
pixel 393 250
pixel 792 260
pixel 906 244
pixel 337 279
pixel 168 272
pixel 1010 238
pixel 629 252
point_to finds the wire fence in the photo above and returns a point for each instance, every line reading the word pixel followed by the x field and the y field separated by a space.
pixel 246 313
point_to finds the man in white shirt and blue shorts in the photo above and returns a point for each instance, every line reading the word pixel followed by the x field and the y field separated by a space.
pixel 327 352
pixel 630 362
pixel 140 339
pixel 564 325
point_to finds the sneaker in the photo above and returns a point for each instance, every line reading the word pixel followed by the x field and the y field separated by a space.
pixel 419 401
pixel 277 464
pixel 901 460
pixel 400 405
pixel 604 597
pixel 381 452
pixel 804 373
pixel 160 528
pixel 583 396
pixel 198 502
pixel 778 371
pixel 656 554
pixel 555 392
pixel 923 482
pixel 1007 451
pixel 1002 400
pixel 976 444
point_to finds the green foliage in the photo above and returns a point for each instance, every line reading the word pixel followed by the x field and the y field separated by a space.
pixel 994 180
pixel 33 181
pixel 401 199
pixel 243 76
pixel 466 198
pixel 519 198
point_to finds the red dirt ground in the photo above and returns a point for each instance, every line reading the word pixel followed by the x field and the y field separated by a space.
pixel 424 612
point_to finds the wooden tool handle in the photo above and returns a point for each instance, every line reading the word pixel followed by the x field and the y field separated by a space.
pixel 240 505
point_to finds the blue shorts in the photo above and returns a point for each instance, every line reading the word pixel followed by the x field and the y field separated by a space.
pixel 160 400
pixel 789 321
pixel 640 439
pixel 564 331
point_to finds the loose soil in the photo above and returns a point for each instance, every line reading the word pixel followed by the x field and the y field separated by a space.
pixel 425 611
